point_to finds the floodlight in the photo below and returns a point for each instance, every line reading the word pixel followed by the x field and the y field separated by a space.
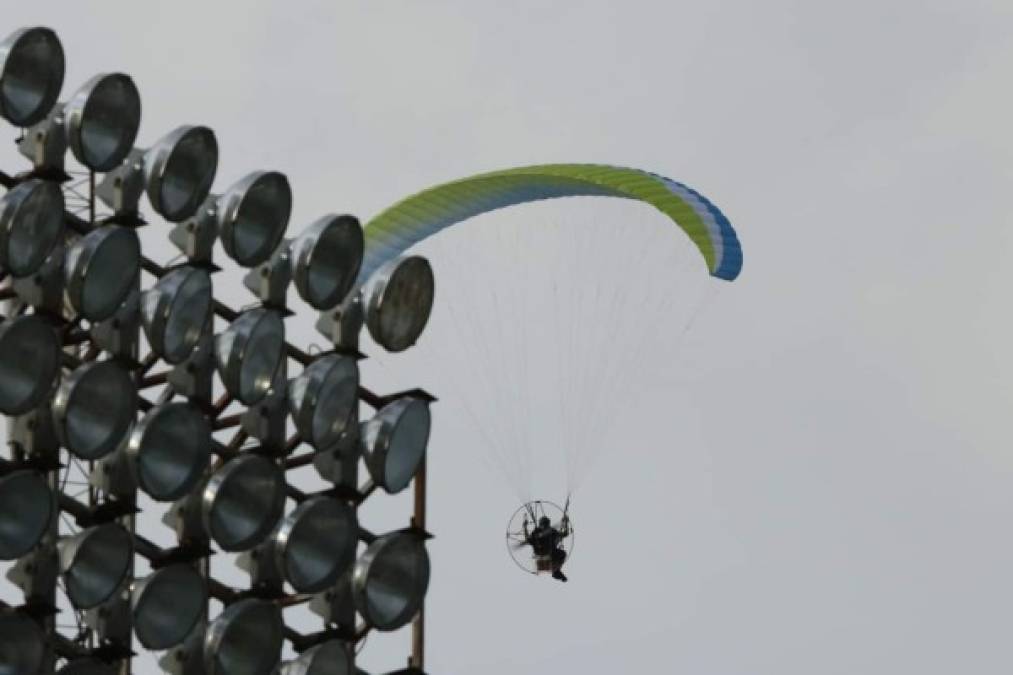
pixel 169 449
pixel 327 256
pixel 394 442
pixel 72 382
pixel 102 118
pixel 245 638
pixel 323 399
pixel 179 170
pixel 390 580
pixel 95 563
pixel 22 643
pixel 315 543
pixel 175 312
pixel 243 501
pixel 248 353
pixel 253 215
pixel 87 666
pixel 31 75
pixel 101 269
pixel 94 408
pixel 327 658
pixel 27 508
pixel 29 363
pixel 399 299
pixel 167 604
pixel 31 223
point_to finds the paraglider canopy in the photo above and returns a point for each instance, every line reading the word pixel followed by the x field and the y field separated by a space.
pixel 426 213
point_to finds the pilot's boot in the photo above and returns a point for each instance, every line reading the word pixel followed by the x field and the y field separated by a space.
pixel 558 574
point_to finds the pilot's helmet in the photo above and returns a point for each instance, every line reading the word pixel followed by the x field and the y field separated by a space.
pixel 544 522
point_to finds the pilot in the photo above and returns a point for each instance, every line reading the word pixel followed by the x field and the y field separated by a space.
pixel 547 541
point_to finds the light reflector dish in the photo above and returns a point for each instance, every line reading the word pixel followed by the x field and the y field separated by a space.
pixel 253 215
pixel 328 658
pixel 27 508
pixel 245 638
pixel 399 299
pixel 390 580
pixel 101 269
pixel 395 442
pixel 248 353
pixel 326 258
pixel 315 543
pixel 31 75
pixel 167 604
pixel 29 363
pixel 175 311
pixel 243 502
pixel 94 408
pixel 95 563
pixel 324 398
pixel 31 222
pixel 22 643
pixel 169 449
pixel 179 170
pixel 102 118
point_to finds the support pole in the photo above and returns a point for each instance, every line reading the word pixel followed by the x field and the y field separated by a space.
pixel 417 659
pixel 91 198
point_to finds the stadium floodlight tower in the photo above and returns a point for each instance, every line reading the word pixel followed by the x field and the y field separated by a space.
pixel 134 400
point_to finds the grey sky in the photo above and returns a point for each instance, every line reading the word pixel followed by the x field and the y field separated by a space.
pixel 835 498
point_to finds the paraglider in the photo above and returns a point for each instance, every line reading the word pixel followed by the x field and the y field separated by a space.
pixel 551 542
pixel 587 327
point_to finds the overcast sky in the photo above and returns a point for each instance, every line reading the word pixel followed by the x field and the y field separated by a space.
pixel 825 487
